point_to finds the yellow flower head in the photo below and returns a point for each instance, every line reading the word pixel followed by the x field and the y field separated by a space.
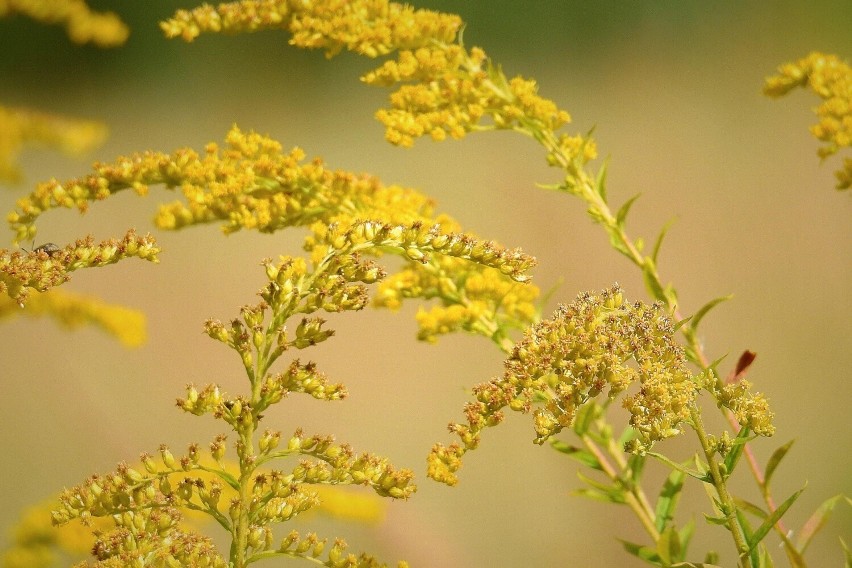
pixel 444 89
pixel 599 344
pixel 368 27
pixel 831 79
pixel 48 265
pixel 249 184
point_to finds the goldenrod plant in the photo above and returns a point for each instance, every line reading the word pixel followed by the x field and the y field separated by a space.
pixel 570 370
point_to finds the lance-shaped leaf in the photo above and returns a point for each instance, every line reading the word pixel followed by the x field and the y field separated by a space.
pixel 754 539
pixel 668 499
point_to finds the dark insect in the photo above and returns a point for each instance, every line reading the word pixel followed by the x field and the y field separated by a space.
pixel 48 248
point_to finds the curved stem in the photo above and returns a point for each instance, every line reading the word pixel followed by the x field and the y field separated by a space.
pixel 579 182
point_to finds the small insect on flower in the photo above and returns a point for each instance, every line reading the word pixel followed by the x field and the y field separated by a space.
pixel 48 248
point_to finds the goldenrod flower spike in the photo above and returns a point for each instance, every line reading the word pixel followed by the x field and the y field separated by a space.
pixel 831 79
pixel 75 310
pixel 368 27
pixel 249 184
pixel 20 127
pixel 247 498
pixel 599 344
pixel 50 266
pixel 252 184
pixel 446 90
pixel 104 29
pixel 416 242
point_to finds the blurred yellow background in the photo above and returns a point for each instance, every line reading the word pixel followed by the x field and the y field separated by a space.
pixel 673 92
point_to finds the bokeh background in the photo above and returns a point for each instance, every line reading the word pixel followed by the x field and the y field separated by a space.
pixel 673 92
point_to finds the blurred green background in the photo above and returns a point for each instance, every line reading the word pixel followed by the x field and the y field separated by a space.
pixel 673 92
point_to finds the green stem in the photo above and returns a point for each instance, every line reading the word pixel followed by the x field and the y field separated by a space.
pixel 729 508
pixel 239 546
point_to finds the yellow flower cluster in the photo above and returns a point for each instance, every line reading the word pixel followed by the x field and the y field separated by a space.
pixel 298 377
pixel 482 302
pixel 750 409
pixel 312 547
pixel 445 89
pixel 20 127
pixel 48 265
pixel 417 242
pixel 150 537
pixel 83 25
pixel 191 482
pixel 598 344
pixel 831 79
pixel 368 27
pixel 74 310
pixel 250 184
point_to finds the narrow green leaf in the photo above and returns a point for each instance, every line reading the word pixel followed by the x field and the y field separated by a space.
pixel 680 323
pixel 586 416
pixel 600 181
pixel 750 507
pixel 816 522
pixel 615 243
pixel 551 186
pixel 612 493
pixel 626 435
pixel 679 467
pixel 766 559
pixel 665 544
pixel 702 473
pixel 699 315
pixel 770 522
pixel 694 565
pixel 670 295
pixel 714 366
pixel 645 553
pixel 686 535
pixel 658 243
pixel 651 283
pixel 668 499
pixel 775 460
pixel 736 452
pixel 595 495
pixel 753 551
pixel 721 521
pixel 634 468
pixel 621 215
pixel 581 455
